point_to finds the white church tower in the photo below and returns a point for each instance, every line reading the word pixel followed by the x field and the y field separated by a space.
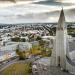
pixel 61 34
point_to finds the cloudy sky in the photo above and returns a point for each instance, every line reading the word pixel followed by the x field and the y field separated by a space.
pixel 34 11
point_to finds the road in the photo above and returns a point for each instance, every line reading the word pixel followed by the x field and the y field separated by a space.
pixel 16 60
pixel 5 64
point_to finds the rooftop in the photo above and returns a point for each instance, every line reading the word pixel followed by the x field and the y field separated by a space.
pixel 45 61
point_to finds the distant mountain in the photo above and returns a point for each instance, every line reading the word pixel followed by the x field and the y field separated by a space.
pixel 8 0
pixel 55 2
pixel 15 0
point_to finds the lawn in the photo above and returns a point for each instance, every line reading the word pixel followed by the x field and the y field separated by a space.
pixel 38 50
pixel 17 69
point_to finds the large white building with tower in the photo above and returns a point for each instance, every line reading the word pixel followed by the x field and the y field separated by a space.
pixel 61 54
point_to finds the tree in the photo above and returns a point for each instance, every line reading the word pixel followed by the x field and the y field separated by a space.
pixel 21 54
pixel 42 43
pixel 38 38
pixel 17 51
pixel 23 40
pixel 16 39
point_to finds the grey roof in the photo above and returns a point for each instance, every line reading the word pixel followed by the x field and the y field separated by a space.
pixel 72 46
pixel 5 52
pixel 44 61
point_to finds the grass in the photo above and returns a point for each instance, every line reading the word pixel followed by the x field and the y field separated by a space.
pixel 71 30
pixel 17 69
pixel 38 50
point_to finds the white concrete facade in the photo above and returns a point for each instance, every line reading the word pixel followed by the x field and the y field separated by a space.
pixel 64 58
pixel 61 33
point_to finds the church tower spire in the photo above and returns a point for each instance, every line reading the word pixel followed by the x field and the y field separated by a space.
pixel 61 32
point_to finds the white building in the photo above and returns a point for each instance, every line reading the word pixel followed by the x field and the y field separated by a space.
pixel 5 55
pixel 11 47
pixel 25 46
